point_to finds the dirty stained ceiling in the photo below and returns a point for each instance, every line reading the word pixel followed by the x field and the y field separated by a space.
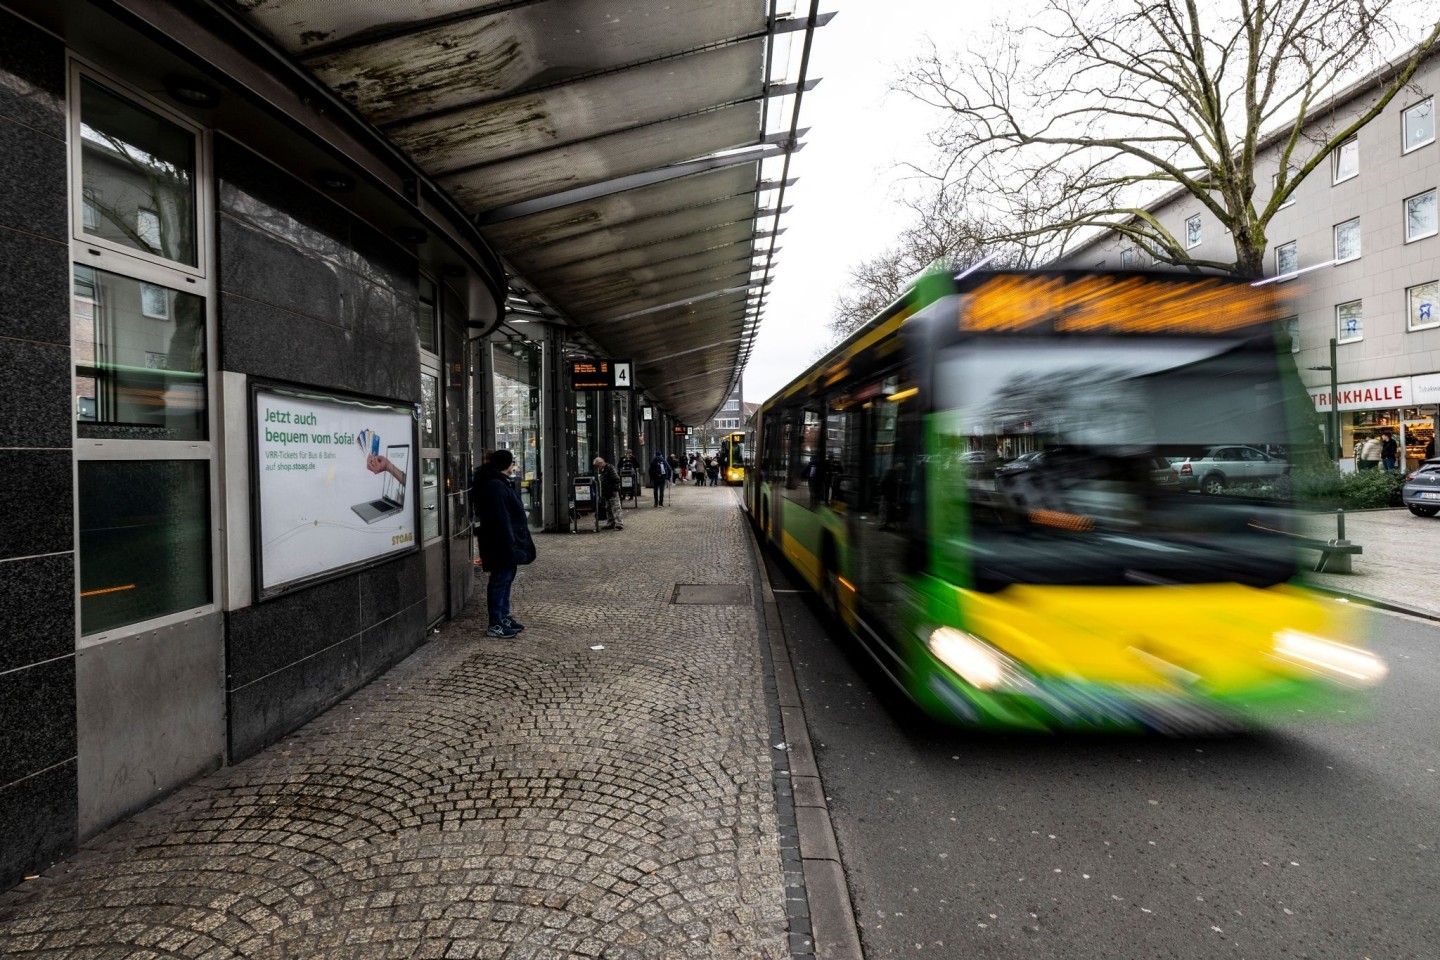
pixel 610 150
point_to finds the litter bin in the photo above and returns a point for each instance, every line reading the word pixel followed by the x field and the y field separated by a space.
pixel 630 485
pixel 584 502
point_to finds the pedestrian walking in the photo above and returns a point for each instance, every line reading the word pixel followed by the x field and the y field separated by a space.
pixel 1389 450
pixel 712 467
pixel 1370 454
pixel 659 477
pixel 609 492
pixel 504 535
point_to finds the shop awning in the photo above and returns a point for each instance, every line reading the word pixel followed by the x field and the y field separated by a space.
pixel 615 153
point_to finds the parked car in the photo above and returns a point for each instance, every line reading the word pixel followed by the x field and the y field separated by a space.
pixel 1222 466
pixel 1421 492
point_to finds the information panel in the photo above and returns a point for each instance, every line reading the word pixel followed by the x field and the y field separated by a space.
pixel 600 375
pixel 335 484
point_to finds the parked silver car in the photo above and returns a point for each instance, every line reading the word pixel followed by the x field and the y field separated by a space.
pixel 1421 492
pixel 1223 466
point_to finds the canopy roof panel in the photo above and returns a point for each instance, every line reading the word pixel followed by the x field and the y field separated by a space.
pixel 611 150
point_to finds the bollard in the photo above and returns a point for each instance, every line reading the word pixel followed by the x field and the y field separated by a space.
pixel 1338 562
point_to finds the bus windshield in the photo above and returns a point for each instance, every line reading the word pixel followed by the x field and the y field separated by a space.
pixel 1060 460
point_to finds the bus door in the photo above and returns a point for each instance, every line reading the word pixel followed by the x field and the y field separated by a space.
pixel 882 526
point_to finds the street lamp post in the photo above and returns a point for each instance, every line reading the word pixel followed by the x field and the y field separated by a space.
pixel 1334 369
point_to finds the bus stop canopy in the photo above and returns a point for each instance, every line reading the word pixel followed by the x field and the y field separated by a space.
pixel 626 159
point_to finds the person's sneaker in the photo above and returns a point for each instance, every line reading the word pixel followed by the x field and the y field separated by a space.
pixel 500 631
pixel 513 624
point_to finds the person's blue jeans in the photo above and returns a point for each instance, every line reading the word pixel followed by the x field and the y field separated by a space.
pixel 497 594
pixel 1389 463
pixel 660 492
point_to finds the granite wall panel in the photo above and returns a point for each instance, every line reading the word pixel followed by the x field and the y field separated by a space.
pixel 37 610
pixel 264 711
pixel 36 411
pixel 268 637
pixel 37 822
pixel 387 643
pixel 37 713
pixel 37 573
pixel 313 296
pixel 42 480
pixel 32 181
pixel 35 275
pixel 33 90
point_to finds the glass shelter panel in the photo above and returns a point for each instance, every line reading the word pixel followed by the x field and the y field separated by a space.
pixel 518 417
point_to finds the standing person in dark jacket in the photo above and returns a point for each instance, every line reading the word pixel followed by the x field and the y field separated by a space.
pixel 659 477
pixel 504 535
pixel 1389 450
pixel 609 492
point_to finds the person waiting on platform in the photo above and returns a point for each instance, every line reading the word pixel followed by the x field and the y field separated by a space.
pixel 504 535
pixel 609 492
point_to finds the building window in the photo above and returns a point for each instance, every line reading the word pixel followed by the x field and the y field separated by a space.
pixel 1350 321
pixel 1420 219
pixel 137 173
pixel 154 301
pixel 140 335
pixel 1275 187
pixel 1192 232
pixel 1127 259
pixel 1347 160
pixel 1421 305
pixel 1418 124
pixel 1347 240
pixel 732 404
pixel 1291 326
pixel 427 316
pixel 1287 259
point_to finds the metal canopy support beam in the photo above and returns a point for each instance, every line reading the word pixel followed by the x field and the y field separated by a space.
pixel 788 89
pixel 645 178
pixel 677 303
pixel 791 24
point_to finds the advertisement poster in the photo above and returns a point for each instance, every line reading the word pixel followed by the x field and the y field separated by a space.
pixel 336 483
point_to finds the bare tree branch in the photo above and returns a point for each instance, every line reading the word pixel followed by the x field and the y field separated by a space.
pixel 1088 111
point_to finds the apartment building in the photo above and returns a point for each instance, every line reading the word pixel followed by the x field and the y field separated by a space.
pixel 1356 249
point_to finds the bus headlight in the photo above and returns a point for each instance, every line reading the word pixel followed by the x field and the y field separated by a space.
pixel 977 663
pixel 1328 658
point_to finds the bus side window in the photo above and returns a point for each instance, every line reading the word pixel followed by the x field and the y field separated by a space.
pixel 770 448
pixel 789 439
pixel 812 455
pixel 842 453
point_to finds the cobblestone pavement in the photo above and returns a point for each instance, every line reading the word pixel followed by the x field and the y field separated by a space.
pixel 530 798
pixel 1400 564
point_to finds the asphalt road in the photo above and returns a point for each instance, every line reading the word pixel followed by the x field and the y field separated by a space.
pixel 1304 841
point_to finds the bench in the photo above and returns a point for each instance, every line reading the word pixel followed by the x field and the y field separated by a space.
pixel 1339 551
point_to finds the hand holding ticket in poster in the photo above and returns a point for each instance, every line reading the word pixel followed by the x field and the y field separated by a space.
pixel 392 495
pixel 332 492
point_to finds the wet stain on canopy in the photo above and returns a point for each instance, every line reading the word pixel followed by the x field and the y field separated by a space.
pixel 611 151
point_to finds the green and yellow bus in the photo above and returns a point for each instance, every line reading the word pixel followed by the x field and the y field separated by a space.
pixel 732 459
pixel 978 485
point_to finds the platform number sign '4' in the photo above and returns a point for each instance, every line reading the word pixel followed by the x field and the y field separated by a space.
pixel 622 375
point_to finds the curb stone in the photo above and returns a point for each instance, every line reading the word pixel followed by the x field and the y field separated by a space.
pixel 829 920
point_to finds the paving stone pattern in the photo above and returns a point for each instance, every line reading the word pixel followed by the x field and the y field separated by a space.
pixel 528 798
pixel 1401 560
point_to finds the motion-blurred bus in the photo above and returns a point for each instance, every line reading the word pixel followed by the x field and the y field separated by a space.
pixel 978 484
pixel 732 459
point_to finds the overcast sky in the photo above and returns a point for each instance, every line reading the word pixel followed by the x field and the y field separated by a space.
pixel 844 205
